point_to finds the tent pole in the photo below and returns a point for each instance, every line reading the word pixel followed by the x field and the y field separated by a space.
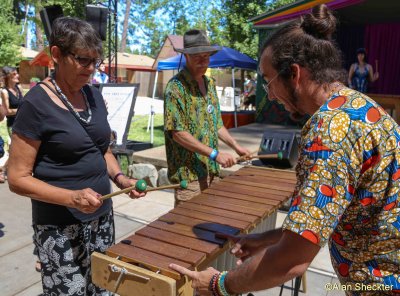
pixel 234 97
pixel 150 122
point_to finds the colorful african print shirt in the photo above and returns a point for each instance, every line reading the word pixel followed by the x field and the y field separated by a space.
pixel 347 191
pixel 186 109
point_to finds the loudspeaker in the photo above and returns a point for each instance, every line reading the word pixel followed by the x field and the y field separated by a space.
pixel 97 17
pixel 284 141
pixel 48 14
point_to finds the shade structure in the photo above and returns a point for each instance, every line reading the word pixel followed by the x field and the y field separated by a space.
pixel 43 59
pixel 225 58
pixel 296 9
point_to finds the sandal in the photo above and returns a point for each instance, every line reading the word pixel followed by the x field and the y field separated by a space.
pixel 38 266
pixel 2 177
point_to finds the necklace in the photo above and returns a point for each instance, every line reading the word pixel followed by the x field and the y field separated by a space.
pixel 64 98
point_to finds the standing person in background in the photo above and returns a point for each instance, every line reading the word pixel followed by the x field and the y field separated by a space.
pixel 249 101
pixel 11 99
pixel 193 123
pixel 99 75
pixel 60 158
pixel 347 190
pixel 361 73
pixel 2 116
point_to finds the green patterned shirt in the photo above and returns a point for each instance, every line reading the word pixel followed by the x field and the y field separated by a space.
pixel 185 109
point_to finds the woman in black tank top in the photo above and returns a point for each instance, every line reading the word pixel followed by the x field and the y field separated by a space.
pixel 11 95
pixel 11 98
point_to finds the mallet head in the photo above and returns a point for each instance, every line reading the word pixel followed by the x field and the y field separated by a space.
pixel 141 185
pixel 184 184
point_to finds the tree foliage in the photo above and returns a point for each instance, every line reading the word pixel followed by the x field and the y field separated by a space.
pixel 148 22
pixel 10 38
pixel 226 21
pixel 27 11
pixel 235 15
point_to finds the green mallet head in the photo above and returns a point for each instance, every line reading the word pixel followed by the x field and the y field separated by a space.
pixel 141 185
pixel 184 184
pixel 280 155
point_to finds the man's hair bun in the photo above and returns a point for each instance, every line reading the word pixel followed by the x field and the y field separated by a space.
pixel 320 23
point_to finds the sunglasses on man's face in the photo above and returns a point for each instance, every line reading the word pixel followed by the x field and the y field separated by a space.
pixel 85 61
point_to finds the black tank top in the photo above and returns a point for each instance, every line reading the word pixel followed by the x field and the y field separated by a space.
pixel 14 102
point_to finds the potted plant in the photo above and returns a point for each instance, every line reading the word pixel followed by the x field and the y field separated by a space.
pixel 33 81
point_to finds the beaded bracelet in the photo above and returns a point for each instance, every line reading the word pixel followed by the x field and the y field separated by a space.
pixel 213 284
pixel 115 179
pixel 221 284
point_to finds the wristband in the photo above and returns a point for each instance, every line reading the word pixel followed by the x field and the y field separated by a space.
pixel 221 284
pixel 116 177
pixel 213 155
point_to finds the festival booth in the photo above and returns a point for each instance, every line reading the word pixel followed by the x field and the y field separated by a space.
pixel 225 58
pixel 374 25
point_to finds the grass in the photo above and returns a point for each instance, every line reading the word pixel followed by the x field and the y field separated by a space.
pixel 138 129
pixel 3 131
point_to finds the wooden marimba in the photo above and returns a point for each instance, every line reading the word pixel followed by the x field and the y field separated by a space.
pixel 242 202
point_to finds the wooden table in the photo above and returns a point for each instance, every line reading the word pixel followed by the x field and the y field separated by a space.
pixel 391 102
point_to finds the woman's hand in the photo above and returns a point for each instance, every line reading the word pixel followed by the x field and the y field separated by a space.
pixel 86 200
pixel 125 182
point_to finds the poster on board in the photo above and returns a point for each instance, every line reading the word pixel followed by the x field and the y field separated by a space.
pixel 120 99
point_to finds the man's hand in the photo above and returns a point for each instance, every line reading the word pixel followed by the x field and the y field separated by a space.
pixel 226 160
pixel 242 151
pixel 246 246
pixel 201 279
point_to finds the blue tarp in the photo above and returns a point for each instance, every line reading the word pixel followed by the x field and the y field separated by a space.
pixel 225 58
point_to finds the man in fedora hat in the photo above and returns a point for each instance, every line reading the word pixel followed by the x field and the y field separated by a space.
pixel 193 123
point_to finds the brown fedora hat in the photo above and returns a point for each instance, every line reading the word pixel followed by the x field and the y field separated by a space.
pixel 196 41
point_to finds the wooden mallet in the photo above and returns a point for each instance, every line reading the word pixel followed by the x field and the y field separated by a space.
pixel 183 185
pixel 141 186
pixel 278 155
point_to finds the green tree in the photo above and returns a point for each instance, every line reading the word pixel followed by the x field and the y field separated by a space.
pixel 22 17
pixel 238 31
pixel 10 38
pixel 125 26
pixel 153 20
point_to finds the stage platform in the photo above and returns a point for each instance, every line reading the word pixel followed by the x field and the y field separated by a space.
pixel 249 136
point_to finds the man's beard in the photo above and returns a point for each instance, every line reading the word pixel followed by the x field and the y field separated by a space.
pixel 294 98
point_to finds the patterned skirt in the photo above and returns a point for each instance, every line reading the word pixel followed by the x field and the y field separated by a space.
pixel 64 253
